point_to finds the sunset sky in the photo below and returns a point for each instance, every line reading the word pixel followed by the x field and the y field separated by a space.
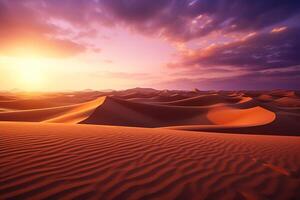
pixel 52 45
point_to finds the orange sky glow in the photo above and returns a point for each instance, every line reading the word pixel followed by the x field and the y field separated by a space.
pixel 93 44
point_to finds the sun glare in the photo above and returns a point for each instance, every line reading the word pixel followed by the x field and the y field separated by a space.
pixel 31 74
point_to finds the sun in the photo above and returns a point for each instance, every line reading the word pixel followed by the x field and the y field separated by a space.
pixel 31 74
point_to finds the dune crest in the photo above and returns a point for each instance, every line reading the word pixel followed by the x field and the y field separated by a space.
pixel 251 117
pixel 126 113
pixel 65 114
pixel 78 114
pixel 205 100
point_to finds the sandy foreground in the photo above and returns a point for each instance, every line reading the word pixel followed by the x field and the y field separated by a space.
pixel 102 162
pixel 147 144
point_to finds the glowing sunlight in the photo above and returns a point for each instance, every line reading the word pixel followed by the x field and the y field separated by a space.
pixel 31 74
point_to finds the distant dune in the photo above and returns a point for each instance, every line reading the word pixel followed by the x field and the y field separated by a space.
pixel 288 102
pixel 205 100
pixel 265 98
pixel 265 112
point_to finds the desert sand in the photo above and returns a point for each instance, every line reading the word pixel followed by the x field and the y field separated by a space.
pixel 150 144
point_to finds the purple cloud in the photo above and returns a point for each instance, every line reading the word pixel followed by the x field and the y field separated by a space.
pixel 261 51
pixel 187 19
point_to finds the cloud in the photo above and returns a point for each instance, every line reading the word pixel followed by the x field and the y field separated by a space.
pixel 24 30
pixel 39 46
pixel 266 59
pixel 187 19
pixel 172 19
pixel 261 51
pixel 124 75
pixel 134 10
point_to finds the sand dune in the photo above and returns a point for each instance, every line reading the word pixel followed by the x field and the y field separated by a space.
pixel 125 113
pixel 28 104
pixel 159 98
pixel 282 93
pixel 204 100
pixel 285 123
pixel 170 158
pixel 252 117
pixel 46 100
pixel 6 97
pixel 265 98
pixel 287 102
pixel 137 93
pixel 72 113
pixel 78 113
pixel 54 161
pixel 233 112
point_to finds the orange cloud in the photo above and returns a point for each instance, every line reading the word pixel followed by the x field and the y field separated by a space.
pixel 278 29
pixel 24 32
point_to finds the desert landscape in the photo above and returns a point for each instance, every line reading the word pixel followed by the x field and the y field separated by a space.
pixel 149 100
pixel 144 143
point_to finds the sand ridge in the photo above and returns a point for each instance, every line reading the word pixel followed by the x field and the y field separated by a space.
pixel 78 113
pixel 70 113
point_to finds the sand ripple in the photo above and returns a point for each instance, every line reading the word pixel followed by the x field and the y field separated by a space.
pixel 51 161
